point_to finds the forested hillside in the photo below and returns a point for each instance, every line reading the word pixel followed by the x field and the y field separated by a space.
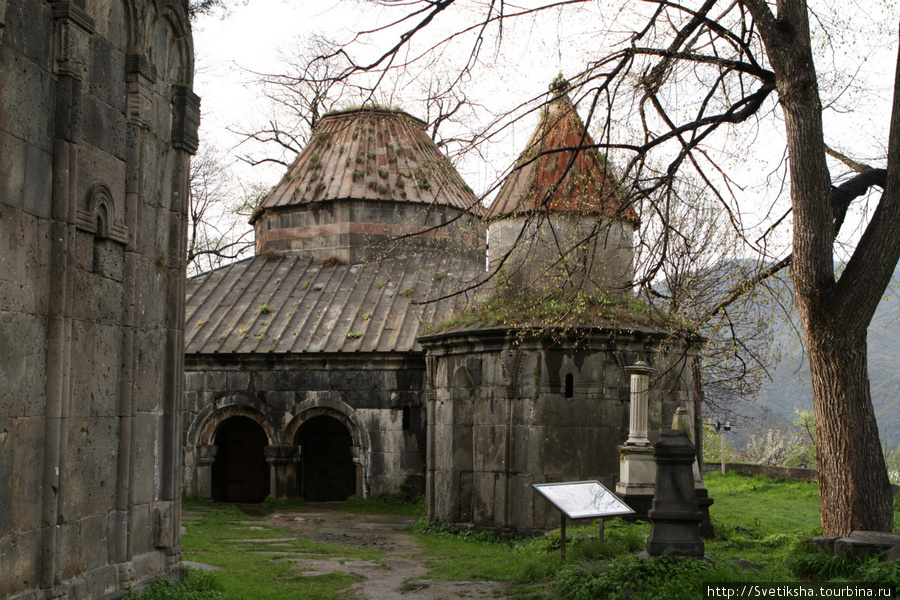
pixel 789 388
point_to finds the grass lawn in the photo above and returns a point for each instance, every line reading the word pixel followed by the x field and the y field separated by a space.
pixel 763 506
pixel 226 537
pixel 768 523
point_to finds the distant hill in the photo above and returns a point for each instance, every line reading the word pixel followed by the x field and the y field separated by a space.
pixel 790 384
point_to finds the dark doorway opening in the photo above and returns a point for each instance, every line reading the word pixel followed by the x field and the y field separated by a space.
pixel 240 472
pixel 327 471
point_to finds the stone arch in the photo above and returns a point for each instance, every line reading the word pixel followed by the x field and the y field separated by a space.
pixel 462 385
pixel 568 378
pixel 240 471
pixel 327 416
pixel 337 409
pixel 100 214
pixel 166 41
pixel 200 438
pixel 181 57
pixel 230 406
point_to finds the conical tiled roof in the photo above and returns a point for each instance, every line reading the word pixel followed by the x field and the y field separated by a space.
pixel 589 185
pixel 372 154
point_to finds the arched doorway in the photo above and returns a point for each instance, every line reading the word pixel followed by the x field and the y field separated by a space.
pixel 327 470
pixel 240 472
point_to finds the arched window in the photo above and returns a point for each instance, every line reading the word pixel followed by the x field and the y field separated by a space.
pixel 570 385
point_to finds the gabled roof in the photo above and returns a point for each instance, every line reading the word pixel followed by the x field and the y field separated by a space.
pixel 548 179
pixel 294 304
pixel 372 154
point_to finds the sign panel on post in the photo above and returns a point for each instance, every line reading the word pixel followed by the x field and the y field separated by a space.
pixel 582 500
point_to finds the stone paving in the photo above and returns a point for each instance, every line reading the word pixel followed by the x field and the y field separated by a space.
pixel 401 575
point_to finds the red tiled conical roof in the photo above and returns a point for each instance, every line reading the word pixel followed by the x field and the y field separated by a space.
pixel 545 181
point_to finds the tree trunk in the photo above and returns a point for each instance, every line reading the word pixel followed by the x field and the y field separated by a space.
pixel 854 490
pixel 854 486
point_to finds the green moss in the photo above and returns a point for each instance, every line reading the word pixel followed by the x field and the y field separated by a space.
pixel 559 310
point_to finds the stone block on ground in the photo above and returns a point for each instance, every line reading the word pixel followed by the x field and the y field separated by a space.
pixel 826 544
pixel 865 543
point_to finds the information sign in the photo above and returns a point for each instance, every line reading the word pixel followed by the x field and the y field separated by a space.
pixel 582 500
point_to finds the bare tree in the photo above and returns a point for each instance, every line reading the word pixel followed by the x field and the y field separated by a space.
pixel 684 77
pixel 219 207
pixel 312 82
pixel 297 98
pixel 695 269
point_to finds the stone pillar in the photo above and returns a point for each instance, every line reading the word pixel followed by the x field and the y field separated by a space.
pixel 358 462
pixel 640 395
pixel 675 516
pixel 206 456
pixel 637 468
pixel 283 460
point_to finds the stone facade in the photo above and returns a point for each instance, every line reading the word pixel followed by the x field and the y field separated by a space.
pixel 304 374
pixel 376 400
pixel 310 358
pixel 507 409
pixel 97 124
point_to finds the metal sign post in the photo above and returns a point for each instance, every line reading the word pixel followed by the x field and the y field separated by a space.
pixel 582 500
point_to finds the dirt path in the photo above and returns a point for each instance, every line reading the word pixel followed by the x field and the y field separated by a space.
pixel 402 575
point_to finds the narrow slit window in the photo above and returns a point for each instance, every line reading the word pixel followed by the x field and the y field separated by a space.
pixel 570 385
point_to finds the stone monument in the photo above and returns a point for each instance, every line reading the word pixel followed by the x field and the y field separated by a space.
pixel 682 421
pixel 637 467
pixel 675 516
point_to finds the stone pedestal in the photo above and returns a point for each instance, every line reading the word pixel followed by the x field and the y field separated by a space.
pixel 637 478
pixel 675 516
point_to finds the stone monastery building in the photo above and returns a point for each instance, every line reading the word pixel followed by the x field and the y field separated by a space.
pixel 330 363
pixel 97 125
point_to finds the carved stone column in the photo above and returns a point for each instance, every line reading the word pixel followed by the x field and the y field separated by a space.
pixel 637 468
pixel 206 456
pixel 640 395
pixel 283 460
pixel 358 463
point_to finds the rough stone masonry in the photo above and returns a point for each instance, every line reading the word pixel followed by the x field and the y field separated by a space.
pixel 97 124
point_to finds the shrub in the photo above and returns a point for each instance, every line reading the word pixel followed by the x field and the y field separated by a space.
pixel 648 579
pixel 194 585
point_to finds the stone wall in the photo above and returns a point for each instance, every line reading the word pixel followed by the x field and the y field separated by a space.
pixel 97 125
pixel 507 410
pixel 377 399
pixel 541 253
pixel 356 230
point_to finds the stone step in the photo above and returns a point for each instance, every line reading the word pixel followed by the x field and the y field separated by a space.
pixel 866 543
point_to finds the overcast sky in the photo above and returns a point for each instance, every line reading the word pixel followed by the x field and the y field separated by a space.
pixel 255 34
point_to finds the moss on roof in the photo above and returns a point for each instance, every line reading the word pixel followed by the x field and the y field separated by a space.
pixel 562 311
